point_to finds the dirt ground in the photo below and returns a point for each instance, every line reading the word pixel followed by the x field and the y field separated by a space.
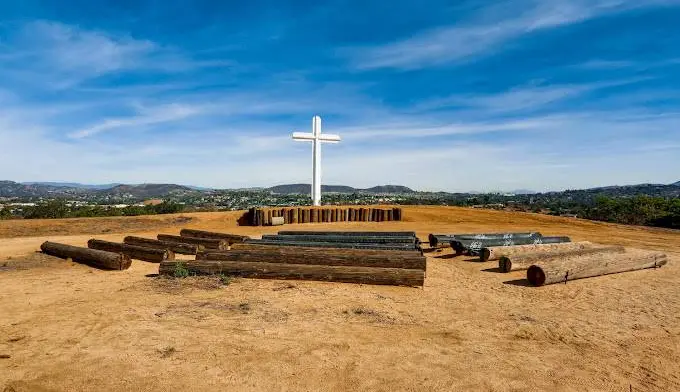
pixel 68 327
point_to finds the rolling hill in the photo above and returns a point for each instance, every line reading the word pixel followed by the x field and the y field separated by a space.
pixel 306 189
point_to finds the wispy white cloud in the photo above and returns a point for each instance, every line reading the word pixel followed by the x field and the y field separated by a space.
pixel 494 26
pixel 156 115
pixel 59 56
pixel 599 64
pixel 71 48
pixel 532 96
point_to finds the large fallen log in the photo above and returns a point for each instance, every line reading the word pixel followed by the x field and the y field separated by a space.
pixel 473 247
pixel 184 249
pixel 595 265
pixel 95 258
pixel 353 245
pixel 342 257
pixel 231 238
pixel 253 246
pixel 522 262
pixel 362 275
pixel 134 251
pixel 351 233
pixel 495 252
pixel 208 243
pixel 341 238
pixel 444 240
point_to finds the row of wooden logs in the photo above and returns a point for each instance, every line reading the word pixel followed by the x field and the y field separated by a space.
pixel 118 256
pixel 303 259
pixel 363 266
pixel 561 262
pixel 272 215
pixel 221 253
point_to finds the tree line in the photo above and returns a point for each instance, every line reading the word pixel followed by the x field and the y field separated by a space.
pixel 638 210
pixel 56 209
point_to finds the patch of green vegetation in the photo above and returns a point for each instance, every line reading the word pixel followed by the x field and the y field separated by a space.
pixel 181 271
pixel 225 279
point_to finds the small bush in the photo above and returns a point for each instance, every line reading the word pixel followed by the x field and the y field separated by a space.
pixel 225 279
pixel 181 271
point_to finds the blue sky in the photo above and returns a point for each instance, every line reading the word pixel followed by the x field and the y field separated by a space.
pixel 435 95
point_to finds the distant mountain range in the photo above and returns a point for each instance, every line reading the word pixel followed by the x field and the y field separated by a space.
pixel 73 185
pixel 306 189
pixel 9 189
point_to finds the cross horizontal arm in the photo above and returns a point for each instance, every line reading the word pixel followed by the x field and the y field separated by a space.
pixel 329 138
pixel 303 136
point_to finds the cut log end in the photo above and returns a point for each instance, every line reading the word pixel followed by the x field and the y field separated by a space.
pixel 484 255
pixel 504 264
pixel 535 275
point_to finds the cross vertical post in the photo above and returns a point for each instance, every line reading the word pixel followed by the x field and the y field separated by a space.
pixel 316 138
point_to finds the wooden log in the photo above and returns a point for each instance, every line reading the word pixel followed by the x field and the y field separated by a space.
pixel 314 215
pixel 251 216
pixel 255 246
pixel 522 262
pixel 231 238
pixel 473 247
pixel 397 214
pixel 346 257
pixel 268 218
pixel 353 245
pixel 350 233
pixel 595 265
pixel 135 252
pixel 92 257
pixel 208 243
pixel 185 249
pixel 495 252
pixel 361 275
pixel 340 238
pixel 294 215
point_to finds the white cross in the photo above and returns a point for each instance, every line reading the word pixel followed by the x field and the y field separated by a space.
pixel 316 138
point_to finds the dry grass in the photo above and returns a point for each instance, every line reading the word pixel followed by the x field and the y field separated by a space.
pixel 469 328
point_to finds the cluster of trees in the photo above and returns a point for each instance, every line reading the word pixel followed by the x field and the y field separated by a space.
pixel 638 210
pixel 55 209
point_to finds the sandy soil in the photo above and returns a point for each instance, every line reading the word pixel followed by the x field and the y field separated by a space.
pixel 68 327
